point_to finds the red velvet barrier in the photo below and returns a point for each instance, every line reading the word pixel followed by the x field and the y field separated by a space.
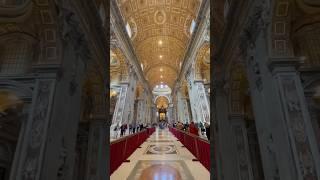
pixel 197 146
pixel 122 148
pixel 117 151
pixel 204 153
pixel 190 143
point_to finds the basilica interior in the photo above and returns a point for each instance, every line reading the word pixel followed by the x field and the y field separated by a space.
pixel 159 89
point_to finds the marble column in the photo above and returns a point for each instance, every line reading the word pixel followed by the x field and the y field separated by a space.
pixel 141 111
pixel 226 151
pixel 239 130
pixel 31 144
pixel 120 106
pixel 287 145
pixel 193 102
pixel 170 113
pixel 129 103
pixel 203 101
pixel 81 157
pixel 154 115
pixel 18 152
pixel 97 156
pixel 296 117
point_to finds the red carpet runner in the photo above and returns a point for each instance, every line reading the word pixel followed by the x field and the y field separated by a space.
pixel 122 148
pixel 197 146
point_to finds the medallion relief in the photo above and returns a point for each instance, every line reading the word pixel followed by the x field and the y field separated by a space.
pixel 160 17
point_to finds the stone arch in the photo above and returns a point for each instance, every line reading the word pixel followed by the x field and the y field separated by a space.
pixel 164 96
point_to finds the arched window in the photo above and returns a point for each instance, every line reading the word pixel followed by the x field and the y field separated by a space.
pixel 192 26
pixel 128 28
pixel 15 56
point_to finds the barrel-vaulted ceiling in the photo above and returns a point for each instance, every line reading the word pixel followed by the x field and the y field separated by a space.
pixel 160 33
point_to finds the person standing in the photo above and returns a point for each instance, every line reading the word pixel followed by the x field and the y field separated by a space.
pixel 130 128
pixel 193 129
pixel 122 129
pixel 207 125
pixel 116 129
pixel 133 128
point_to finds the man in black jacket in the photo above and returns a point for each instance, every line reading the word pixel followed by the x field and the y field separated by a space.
pixel 207 130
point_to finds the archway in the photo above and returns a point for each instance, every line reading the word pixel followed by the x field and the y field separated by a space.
pixel 15 99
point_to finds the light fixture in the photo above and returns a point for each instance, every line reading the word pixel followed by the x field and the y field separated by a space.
pixel 161 76
pixel 113 93
pixel 160 56
pixel 160 42
pixel 161 86
pixel 161 69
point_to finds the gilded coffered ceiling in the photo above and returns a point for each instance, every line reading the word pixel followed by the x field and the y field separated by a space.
pixel 160 31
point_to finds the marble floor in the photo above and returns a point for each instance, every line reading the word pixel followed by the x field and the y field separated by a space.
pixel 161 157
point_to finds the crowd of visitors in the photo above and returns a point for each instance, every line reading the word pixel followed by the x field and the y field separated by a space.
pixel 194 128
pixel 133 128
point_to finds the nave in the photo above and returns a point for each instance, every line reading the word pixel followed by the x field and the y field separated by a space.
pixel 161 157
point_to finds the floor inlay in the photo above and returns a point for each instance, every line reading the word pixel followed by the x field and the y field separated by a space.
pixel 152 170
pixel 161 149
pixel 160 141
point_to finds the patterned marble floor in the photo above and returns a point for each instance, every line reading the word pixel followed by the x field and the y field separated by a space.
pixel 161 157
